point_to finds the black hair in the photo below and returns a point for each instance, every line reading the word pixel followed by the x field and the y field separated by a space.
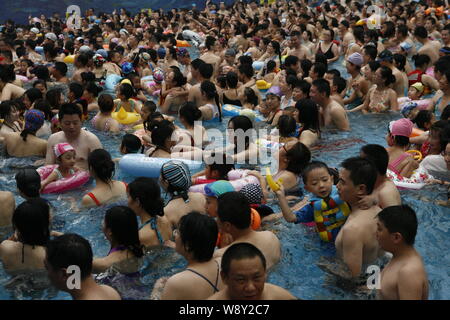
pixel 421 32
pixel 374 65
pixel 190 112
pixel 198 234
pixel 400 60
pixel 196 63
pixel 320 58
pixel 386 73
pixel 270 67
pixel 76 89
pixel 131 143
pixel 92 88
pixel 378 155
pixel 340 83
pixel 422 117
pixel 82 59
pixel 245 60
pixel 290 61
pixel 403 30
pixel 446 113
pixel 209 89
pixel 224 164
pixel 334 72
pixel 123 224
pixel 29 182
pixel 147 191
pixel 240 251
pixel 53 97
pixel 44 106
pixel 126 90
pixel 442 64
pixel 246 69
pixel 100 162
pixel 401 219
pixel 33 94
pixel 286 126
pixel 299 156
pixel 323 86
pixel 246 125
pixel 178 77
pixel 150 105
pixel 70 249
pixel 6 107
pixel 251 96
pixel 32 220
pixel 308 114
pixel 232 80
pixel 206 70
pixel 105 103
pixel 233 207
pixel 362 171
pixel 371 51
pixel 69 109
pixel 161 131
pixel 313 165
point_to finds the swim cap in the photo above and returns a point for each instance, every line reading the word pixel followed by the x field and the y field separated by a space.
pixel 418 86
pixel 230 52
pixel 217 188
pixel 127 67
pixel 144 56
pixel 161 52
pixel 182 52
pixel 356 59
pixel 99 60
pixel 275 90
pixel 128 81
pixel 103 53
pixel 253 193
pixel 34 119
pixel 177 174
pixel 401 127
pixel 158 76
pixel 408 108
pixel 62 148
pixel 85 49
pixel 35 30
pixel 51 36
pixel 385 55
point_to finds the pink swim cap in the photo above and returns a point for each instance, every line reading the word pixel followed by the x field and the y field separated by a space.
pixel 62 148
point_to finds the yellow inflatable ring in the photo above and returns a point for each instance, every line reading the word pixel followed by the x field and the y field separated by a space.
pixel 138 126
pixel 124 117
pixel 70 59
pixel 274 185
pixel 417 154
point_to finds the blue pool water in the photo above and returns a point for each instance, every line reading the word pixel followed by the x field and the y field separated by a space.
pixel 301 249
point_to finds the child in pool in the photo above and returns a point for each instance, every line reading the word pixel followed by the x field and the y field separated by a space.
pixel 65 155
pixel 217 167
pixel 326 209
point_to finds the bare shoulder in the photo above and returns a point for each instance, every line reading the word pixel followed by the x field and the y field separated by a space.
pixel 274 292
pixel 6 196
pixel 55 137
pixel 110 293
pixel 218 296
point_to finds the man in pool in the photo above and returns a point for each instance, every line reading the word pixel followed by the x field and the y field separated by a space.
pixel 72 250
pixel 356 243
pixel 404 277
pixel 243 270
pixel 235 219
pixel 331 112
pixel 82 140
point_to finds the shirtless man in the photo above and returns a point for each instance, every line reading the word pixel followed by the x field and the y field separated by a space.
pixel 295 46
pixel 209 57
pixel 332 113
pixel 358 86
pixel 404 277
pixel 82 140
pixel 235 219
pixel 245 74
pixel 385 193
pixel 400 86
pixel 81 65
pixel 205 72
pixel 244 273
pixel 430 47
pixel 346 36
pixel 7 206
pixel 68 250
pixel 356 244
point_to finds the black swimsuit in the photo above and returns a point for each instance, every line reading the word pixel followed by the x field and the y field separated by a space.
pixel 236 102
pixel 329 54
pixel 207 280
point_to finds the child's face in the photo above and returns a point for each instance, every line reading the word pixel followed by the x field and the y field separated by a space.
pixel 145 113
pixel 319 182
pixel 68 159
pixel 211 206
pixel 413 94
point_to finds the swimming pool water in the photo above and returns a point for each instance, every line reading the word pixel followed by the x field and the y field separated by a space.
pixel 301 249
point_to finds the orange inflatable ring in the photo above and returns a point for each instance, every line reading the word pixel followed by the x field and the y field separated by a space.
pixel 183 43
pixel 106 46
pixel 417 154
pixel 416 132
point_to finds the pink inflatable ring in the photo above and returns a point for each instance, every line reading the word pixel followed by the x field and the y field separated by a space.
pixel 65 184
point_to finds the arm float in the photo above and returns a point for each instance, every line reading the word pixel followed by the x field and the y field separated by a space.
pixel 274 185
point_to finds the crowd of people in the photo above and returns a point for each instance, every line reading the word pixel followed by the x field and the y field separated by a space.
pixel 278 62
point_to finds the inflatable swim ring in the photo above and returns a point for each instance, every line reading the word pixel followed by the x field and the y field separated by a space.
pixel 229 110
pixel 139 165
pixel 238 179
pixel 69 59
pixel 65 184
pixel 39 49
pixel 111 81
pixel 417 154
pixel 192 36
pixel 124 117
pixel 268 144
pixel 182 44
pixel 415 182
pixel 24 79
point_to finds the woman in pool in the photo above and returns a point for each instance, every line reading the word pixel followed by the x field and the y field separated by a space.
pixel 173 94
pixel 8 90
pixel 175 179
pixel 11 118
pixel 90 93
pixel 124 95
pixel 101 168
pixel 25 250
pixel 188 115
pixel 442 98
pixel 308 117
pixel 231 95
pixel 212 109
pixel 195 240
pixel 103 121
pixel 162 138
pixel 144 198
pixel 250 99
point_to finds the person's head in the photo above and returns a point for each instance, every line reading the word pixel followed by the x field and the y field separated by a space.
pixel 293 157
pixel 59 70
pixel 421 33
pixel 357 178
pixel 212 192
pixel 301 90
pixel 318 70
pixel 308 114
pixel 243 270
pixel 189 113
pixel 320 91
pixel 91 91
pixel 144 194
pixel 196 236
pixel 240 131
pixel 369 53
pixel 147 110
pixel 65 155
pixel 318 179
pixel 444 82
pixel 354 62
pixel 175 78
pixel 254 193
pixel 273 98
pixel 383 76
pixel 338 85
pixel 421 61
pixel 399 132
pixel 396 227
pixel 75 91
pixel 378 155
pixel 28 183
pixel 30 96
pixel 31 222
pixel 250 96
pixel 34 119
pixel 9 111
pixel 126 91
pixel 245 72
pixel 105 103
pixel 287 126
pixel 175 178
pixel 70 119
pixel 230 56
pixel 101 165
pixel 206 70
pixel 161 134
pixel 65 251
pixel 292 63
pixel 120 227
pixel 415 91
pixel 331 73
pixel 424 119
pixel 130 144
pixel 233 210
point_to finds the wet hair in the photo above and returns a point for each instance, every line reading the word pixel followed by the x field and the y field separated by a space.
pixel 243 123
pixel 44 106
pixel 53 97
pixel 148 192
pixel 422 117
pixel 196 63
pixel 240 251
pixel 198 233
pixel 445 113
pixel 105 103
pixel 323 86
pixel 126 90
pixel 190 112
pixel 6 108
pixel 246 69
pixel 7 73
pixel 313 165
pixel 251 96
pixel 390 29
pixel 401 219
pixel 123 224
pixel 223 166
pixel 374 65
pixel 362 171
pixel 286 126
pixel 70 249
pixel 131 143
pixel 76 89
pixel 69 109
pixel 246 60
pixel 371 51
pixel 340 83
pixel 33 94
pixel 290 61
pixel 308 114
pixel 386 73
pixel 206 70
pixel 161 131
pixel 271 65
pixel 421 32
pixel 403 30
pixel 178 78
pixel 150 105
pixel 400 61
pixel 29 182
pixel 334 72
pixel 41 72
pixel 32 220
pixel 378 155
pixel 93 89
pixel 233 207
pixel 421 60
pixel 299 156
pixel 100 162
pixel 209 89
pixel 82 59
pixel 232 80
pixel 304 86
pixel 442 64
pixel 320 68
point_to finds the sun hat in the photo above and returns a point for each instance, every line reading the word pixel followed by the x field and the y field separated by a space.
pixel 402 127
pixel 62 148
pixel 217 188
pixel 356 59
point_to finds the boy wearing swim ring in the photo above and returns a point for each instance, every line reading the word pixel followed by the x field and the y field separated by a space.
pixel 66 159
pixel 325 208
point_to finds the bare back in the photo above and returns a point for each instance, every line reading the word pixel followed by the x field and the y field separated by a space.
pixel 177 208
